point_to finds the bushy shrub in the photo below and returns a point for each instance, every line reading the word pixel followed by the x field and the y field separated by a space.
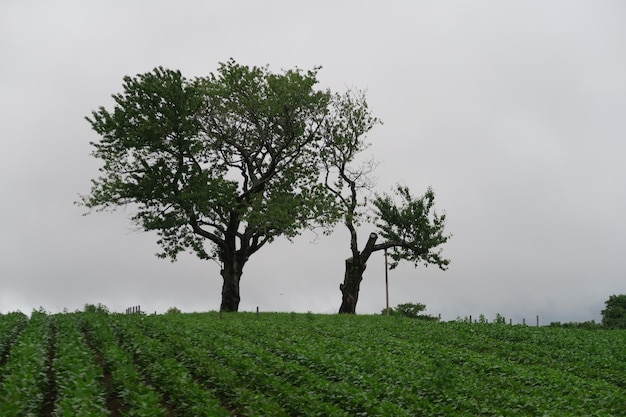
pixel 98 308
pixel 411 310
pixel 500 319
pixel 589 325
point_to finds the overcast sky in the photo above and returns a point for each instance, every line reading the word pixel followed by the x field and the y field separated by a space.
pixel 513 111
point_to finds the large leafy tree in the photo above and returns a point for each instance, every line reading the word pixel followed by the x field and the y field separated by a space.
pixel 219 165
pixel 410 228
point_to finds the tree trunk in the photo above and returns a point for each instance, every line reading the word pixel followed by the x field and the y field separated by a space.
pixel 231 274
pixel 351 285
pixel 355 267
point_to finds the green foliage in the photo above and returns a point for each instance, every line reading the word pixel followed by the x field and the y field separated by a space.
pixel 345 138
pixel 23 375
pixel 77 376
pixel 11 325
pixel 158 362
pixel 614 315
pixel 588 325
pixel 499 319
pixel 411 227
pixel 278 364
pixel 173 310
pixel 234 153
pixel 99 308
pixel 410 310
pixel 127 382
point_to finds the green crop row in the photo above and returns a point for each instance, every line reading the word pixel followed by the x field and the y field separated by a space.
pixel 174 381
pixel 24 374
pixel 77 376
pixel 138 399
pixel 11 325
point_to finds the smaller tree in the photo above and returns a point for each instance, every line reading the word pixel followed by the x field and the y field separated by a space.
pixel 614 315
pixel 409 226
pixel 219 166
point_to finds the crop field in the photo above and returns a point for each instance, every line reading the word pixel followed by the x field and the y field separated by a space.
pixel 280 364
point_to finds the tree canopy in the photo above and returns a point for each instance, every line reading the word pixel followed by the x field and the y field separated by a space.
pixel 410 228
pixel 614 315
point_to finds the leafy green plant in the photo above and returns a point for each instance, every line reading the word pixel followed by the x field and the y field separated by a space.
pixel 77 376
pixel 173 310
pixel 24 374
pixel 410 310
pixel 138 399
pixel 11 325
pixel 158 362
pixel 96 308
pixel 500 319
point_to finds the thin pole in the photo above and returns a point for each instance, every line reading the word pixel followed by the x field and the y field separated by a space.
pixel 386 281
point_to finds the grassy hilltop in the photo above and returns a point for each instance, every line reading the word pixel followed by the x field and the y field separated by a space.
pixel 279 364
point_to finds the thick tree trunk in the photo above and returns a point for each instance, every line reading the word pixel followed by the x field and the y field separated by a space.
pixel 355 267
pixel 351 285
pixel 231 274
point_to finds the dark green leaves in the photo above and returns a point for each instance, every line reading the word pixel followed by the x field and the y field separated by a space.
pixel 614 315
pixel 234 154
pixel 411 228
